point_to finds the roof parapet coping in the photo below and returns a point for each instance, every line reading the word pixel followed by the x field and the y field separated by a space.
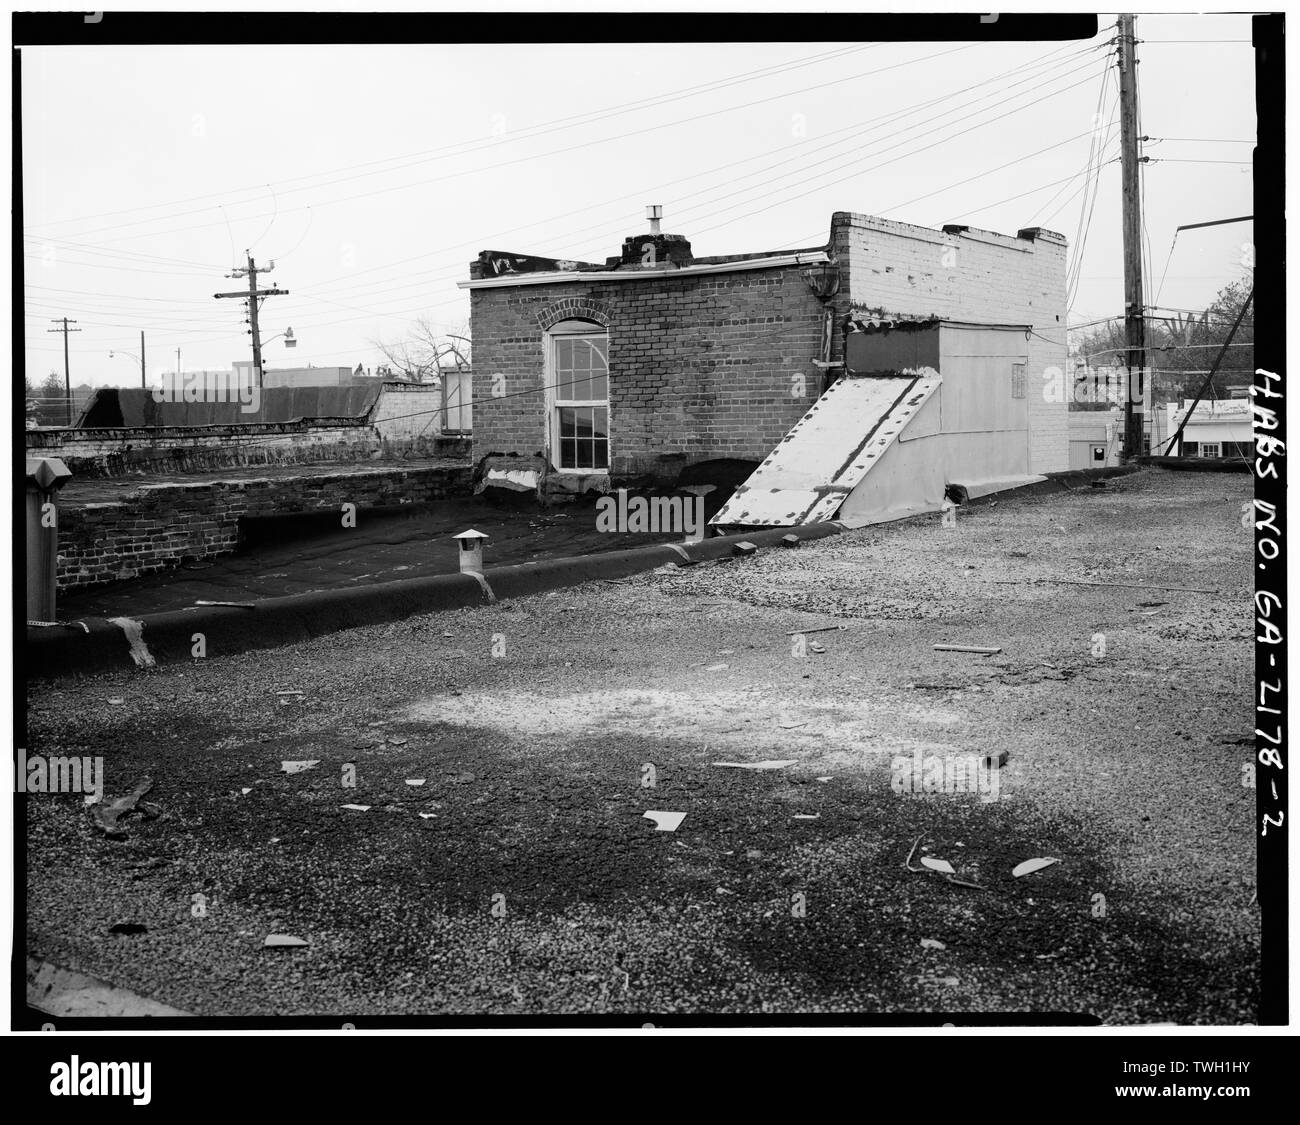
pixel 952 230
pixel 1036 234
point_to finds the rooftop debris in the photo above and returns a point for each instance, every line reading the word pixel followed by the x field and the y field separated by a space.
pixel 1032 865
pixel 765 765
pixel 941 865
pixel 106 817
pixel 1085 582
pixel 929 864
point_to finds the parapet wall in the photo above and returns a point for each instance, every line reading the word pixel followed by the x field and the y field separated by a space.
pixel 158 526
pixel 400 422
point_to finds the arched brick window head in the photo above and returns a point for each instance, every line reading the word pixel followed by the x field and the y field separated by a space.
pixel 573 308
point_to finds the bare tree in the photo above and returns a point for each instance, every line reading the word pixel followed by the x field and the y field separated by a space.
pixel 1181 347
pixel 424 352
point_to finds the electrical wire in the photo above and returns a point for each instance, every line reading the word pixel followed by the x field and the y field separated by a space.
pixel 969 179
pixel 458 147
pixel 583 145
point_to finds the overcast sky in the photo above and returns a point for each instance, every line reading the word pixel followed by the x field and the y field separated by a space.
pixel 373 175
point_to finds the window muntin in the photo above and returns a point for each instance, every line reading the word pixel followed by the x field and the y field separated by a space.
pixel 581 377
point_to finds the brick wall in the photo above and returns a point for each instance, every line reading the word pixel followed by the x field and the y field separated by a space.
pixel 971 275
pixel 171 449
pixel 700 366
pixel 156 526
pixel 408 412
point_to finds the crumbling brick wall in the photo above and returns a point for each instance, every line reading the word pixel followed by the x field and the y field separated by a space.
pixel 155 527
pixel 701 366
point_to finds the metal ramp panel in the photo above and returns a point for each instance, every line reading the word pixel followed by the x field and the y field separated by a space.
pixel 829 451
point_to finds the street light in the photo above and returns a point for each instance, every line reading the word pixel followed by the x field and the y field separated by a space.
pixel 289 341
pixel 139 357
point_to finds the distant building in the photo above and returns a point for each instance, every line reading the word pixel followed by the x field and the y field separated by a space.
pixel 295 376
pixel 1095 438
pixel 1217 428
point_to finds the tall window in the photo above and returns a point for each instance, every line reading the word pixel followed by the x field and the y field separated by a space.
pixel 580 370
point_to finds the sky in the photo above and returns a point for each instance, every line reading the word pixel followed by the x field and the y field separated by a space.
pixel 373 175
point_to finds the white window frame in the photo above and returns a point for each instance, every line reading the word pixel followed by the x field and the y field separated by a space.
pixel 1217 446
pixel 570 329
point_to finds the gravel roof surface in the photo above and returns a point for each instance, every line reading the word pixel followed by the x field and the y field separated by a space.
pixel 533 883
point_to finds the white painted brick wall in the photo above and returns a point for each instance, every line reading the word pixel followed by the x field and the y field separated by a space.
pixel 404 411
pixel 914 272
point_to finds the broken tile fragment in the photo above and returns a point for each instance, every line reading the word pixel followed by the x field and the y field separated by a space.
pixel 772 764
pixel 1031 865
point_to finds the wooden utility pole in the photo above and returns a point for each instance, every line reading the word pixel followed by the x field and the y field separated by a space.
pixel 253 297
pixel 1134 299
pixel 143 381
pixel 67 378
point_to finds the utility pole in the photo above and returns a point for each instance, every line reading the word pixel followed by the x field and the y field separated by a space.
pixel 253 297
pixel 1134 299
pixel 143 382
pixel 67 378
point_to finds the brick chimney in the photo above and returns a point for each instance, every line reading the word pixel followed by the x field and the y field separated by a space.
pixel 654 249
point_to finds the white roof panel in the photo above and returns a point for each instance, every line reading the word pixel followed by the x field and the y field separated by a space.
pixel 828 451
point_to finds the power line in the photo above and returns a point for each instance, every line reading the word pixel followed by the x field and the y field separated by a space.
pixel 1094 178
pixel 621 136
pixel 768 193
pixel 458 147
pixel 945 140
pixel 857 128
pixel 855 160
pixel 1033 64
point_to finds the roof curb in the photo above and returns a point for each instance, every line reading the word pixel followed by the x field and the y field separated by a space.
pixel 102 644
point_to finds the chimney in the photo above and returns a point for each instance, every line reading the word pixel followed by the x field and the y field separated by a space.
pixel 654 250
